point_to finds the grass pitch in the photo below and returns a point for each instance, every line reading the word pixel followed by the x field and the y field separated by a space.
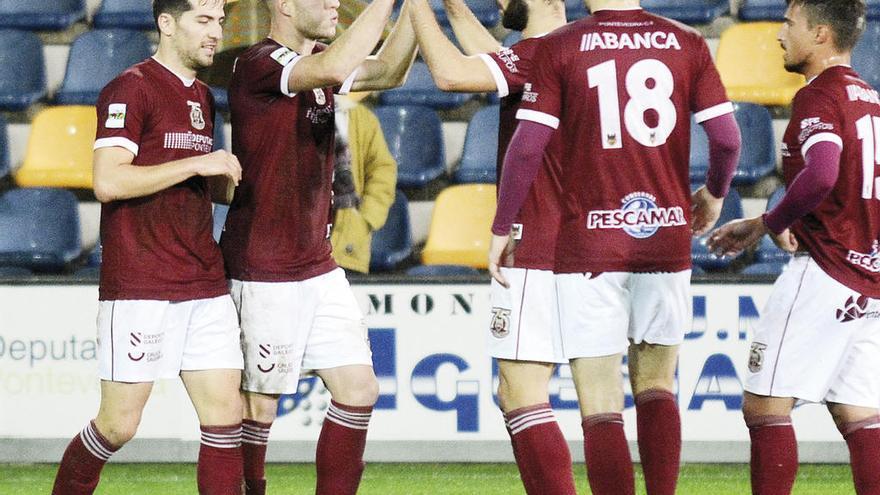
pixel 411 479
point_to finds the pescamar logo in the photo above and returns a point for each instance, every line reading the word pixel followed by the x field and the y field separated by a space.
pixel 855 308
pixel 639 216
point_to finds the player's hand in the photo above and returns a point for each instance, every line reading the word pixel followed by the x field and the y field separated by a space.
pixel 786 240
pixel 733 237
pixel 498 249
pixel 705 210
pixel 220 162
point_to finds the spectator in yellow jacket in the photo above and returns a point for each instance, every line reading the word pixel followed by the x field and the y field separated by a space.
pixel 364 181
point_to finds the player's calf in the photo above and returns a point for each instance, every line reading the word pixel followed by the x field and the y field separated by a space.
pixel 540 450
pixel 83 460
pixel 774 460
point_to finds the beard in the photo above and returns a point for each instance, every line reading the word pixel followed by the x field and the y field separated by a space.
pixel 796 67
pixel 516 15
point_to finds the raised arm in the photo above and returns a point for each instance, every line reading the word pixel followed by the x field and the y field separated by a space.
pixel 473 36
pixel 450 69
pixel 389 68
pixel 116 178
pixel 335 64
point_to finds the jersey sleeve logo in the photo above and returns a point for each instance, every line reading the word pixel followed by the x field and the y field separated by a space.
pixel 283 55
pixel 115 116
pixel 528 95
pixel 811 125
pixel 509 59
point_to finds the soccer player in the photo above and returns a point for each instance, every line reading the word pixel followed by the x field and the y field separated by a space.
pixel 818 339
pixel 165 308
pixel 297 310
pixel 620 87
pixel 523 332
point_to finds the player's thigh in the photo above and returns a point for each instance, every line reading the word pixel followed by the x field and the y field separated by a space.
pixel 660 306
pixel 523 383
pixel 121 408
pixel 593 313
pixel 599 384
pixel 276 319
pixel 524 320
pixel 755 405
pixel 801 347
pixel 215 395
pixel 338 347
pixel 651 366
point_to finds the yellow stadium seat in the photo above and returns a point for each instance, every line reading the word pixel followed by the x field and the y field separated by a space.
pixel 750 62
pixel 461 226
pixel 59 151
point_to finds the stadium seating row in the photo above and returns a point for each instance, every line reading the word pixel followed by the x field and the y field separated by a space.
pixel 749 59
pixel 59 151
pixel 39 231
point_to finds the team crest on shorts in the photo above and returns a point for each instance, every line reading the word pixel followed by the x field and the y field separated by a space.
pixel 756 357
pixel 500 325
pixel 265 358
pixel 196 117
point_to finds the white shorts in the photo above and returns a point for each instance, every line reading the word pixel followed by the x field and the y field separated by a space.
pixel 144 340
pixel 288 328
pixel 817 340
pixel 599 316
pixel 524 323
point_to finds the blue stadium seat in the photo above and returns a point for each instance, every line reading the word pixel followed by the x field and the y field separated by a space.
pixel 486 11
pixel 700 254
pixel 4 149
pixel 441 270
pixel 767 251
pixel 415 139
pixel 575 9
pixel 221 98
pixel 420 89
pixel 688 11
pixel 769 268
pixel 478 161
pixel 96 57
pixel 758 156
pixel 23 79
pixel 219 135
pixel 14 271
pixel 125 14
pixel 393 242
pixel 41 15
pixel 873 10
pixel 39 228
pixel 512 38
pixel 864 58
pixel 220 212
pixel 762 10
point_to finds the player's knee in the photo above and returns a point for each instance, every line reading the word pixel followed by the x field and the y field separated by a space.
pixel 361 390
pixel 118 431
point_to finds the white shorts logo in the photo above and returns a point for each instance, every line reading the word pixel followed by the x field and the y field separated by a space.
pixel 639 216
pixel 115 116
pixel 500 325
pixel 756 357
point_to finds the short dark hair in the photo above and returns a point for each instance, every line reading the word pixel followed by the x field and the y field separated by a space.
pixel 173 7
pixel 846 18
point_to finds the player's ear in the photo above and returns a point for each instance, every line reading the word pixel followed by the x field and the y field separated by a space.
pixel 167 24
pixel 287 7
pixel 823 34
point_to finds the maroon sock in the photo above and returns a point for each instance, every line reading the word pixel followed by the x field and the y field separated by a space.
pixel 659 430
pixel 774 460
pixel 528 482
pixel 863 440
pixel 540 450
pixel 83 460
pixel 254 439
pixel 609 465
pixel 340 455
pixel 220 464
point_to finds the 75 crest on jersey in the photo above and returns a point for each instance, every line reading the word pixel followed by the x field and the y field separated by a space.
pixel 500 324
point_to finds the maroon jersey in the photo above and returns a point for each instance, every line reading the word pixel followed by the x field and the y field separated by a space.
pixel 537 224
pixel 278 223
pixel 159 246
pixel 621 86
pixel 843 232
